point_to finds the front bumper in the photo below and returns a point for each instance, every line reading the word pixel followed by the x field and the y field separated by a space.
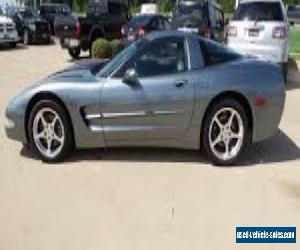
pixel 9 39
pixel 40 37
pixel 14 129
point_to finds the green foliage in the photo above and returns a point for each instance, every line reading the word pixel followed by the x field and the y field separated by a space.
pixel 164 5
pixel 116 46
pixel 295 40
pixel 101 48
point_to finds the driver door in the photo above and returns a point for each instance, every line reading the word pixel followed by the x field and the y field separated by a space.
pixel 159 104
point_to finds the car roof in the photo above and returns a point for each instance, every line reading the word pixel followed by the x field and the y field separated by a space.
pixel 167 33
pixel 147 15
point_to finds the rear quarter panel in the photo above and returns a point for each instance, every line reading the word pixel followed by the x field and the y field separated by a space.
pixel 249 78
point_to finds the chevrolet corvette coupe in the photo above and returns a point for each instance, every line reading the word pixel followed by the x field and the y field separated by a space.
pixel 168 89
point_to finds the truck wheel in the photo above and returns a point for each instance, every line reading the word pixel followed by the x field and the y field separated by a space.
pixel 12 45
pixel 74 52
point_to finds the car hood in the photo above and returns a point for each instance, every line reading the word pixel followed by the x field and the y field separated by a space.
pixel 84 69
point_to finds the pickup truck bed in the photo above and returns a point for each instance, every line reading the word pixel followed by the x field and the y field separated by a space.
pixel 78 33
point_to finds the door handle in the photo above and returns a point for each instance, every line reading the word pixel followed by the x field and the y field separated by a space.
pixel 180 84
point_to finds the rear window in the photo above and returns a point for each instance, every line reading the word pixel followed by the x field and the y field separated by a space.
pixel 139 21
pixel 259 11
pixel 215 53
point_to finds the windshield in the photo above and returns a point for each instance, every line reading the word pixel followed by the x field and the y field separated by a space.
pixel 139 21
pixel 28 13
pixel 121 58
pixel 259 11
pixel 1 11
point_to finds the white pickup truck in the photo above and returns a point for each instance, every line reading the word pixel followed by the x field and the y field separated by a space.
pixel 8 32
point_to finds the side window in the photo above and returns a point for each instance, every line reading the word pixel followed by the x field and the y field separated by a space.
pixel 219 17
pixel 212 15
pixel 162 58
pixel 167 24
pixel 216 54
pixel 157 24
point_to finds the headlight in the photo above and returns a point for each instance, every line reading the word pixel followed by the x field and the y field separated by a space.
pixel 9 123
pixel 32 27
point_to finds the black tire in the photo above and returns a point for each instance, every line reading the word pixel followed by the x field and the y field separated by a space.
pixel 12 45
pixel 67 145
pixel 205 141
pixel 285 71
pixel 26 37
pixel 74 52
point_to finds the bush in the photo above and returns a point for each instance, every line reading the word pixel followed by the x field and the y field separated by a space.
pixel 101 49
pixel 116 46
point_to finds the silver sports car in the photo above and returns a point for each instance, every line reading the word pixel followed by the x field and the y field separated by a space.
pixel 168 89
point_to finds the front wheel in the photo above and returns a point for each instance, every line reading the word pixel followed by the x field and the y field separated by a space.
pixel 50 133
pixel 74 52
pixel 12 45
pixel 225 132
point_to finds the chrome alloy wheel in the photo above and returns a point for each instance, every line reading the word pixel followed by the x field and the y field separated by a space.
pixel 226 134
pixel 48 132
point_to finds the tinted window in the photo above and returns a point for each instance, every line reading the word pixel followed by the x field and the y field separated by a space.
pixel 215 53
pixel 28 13
pixel 157 24
pixel 167 24
pixel 121 59
pixel 161 58
pixel 139 21
pixel 259 11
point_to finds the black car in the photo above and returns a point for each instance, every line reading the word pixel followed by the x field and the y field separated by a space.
pixel 30 26
pixel 50 10
pixel 293 13
pixel 203 17
pixel 104 19
pixel 141 25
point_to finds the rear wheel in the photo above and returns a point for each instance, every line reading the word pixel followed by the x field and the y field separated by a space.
pixel 50 133
pixel 225 132
pixel 74 52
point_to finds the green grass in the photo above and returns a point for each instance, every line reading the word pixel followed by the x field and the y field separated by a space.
pixel 295 42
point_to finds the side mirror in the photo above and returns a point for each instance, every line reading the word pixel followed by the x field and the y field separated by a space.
pixel 130 77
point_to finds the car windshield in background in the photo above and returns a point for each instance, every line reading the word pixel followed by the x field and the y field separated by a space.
pixel 259 11
pixel 294 8
pixel 139 21
pixel 121 58
pixel 28 13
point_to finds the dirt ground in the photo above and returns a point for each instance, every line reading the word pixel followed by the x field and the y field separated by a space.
pixel 141 199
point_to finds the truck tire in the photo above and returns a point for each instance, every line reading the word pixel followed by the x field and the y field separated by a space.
pixel 74 52
pixel 12 45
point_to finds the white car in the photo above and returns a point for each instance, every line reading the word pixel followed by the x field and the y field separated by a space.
pixel 8 32
pixel 260 28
